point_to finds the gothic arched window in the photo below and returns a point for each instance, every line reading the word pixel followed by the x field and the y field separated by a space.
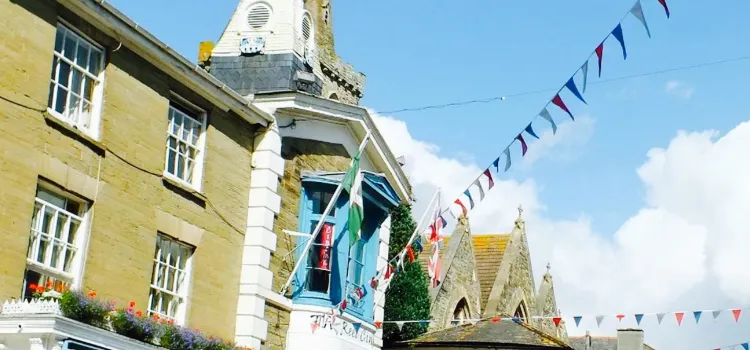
pixel 461 312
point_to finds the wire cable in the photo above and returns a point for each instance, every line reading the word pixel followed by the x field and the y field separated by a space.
pixel 533 92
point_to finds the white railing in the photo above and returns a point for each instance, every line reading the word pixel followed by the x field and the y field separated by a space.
pixel 25 307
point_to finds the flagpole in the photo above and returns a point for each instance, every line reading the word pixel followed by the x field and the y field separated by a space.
pixel 319 225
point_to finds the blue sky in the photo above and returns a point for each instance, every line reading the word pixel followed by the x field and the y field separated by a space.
pixel 421 52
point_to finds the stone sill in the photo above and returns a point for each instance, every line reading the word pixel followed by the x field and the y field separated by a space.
pixel 184 190
pixel 17 327
pixel 74 132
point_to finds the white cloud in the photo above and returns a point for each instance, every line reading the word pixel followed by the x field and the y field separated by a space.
pixel 686 247
pixel 679 89
pixel 568 143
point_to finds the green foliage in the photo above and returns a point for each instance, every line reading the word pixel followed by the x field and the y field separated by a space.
pixel 407 297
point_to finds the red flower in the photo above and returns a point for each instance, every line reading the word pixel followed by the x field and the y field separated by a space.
pixel 32 286
pixel 92 294
pixel 139 313
pixel 155 317
pixel 39 289
pixel 132 304
pixel 49 284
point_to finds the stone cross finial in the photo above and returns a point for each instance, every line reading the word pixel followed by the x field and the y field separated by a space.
pixel 548 267
pixel 520 211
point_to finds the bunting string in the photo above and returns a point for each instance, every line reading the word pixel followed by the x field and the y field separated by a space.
pixel 468 200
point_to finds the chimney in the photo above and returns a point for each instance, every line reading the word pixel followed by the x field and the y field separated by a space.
pixel 587 341
pixel 629 339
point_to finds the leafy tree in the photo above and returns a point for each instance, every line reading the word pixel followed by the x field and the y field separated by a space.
pixel 407 297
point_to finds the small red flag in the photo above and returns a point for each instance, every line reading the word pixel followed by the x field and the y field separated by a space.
pixel 463 208
pixel 679 315
pixel 410 251
pixel 524 148
pixel 666 8
pixel 489 177
pixel 620 317
pixel 314 326
pixel 559 103
pixel 736 313
pixel 495 319
pixel 599 53
pixel 556 320
pixel 378 324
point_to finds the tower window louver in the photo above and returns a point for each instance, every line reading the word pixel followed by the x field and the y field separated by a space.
pixel 258 16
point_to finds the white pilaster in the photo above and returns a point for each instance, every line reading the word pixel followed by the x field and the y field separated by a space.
pixel 385 236
pixel 263 205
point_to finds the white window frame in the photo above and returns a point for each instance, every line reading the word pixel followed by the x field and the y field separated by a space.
pixel 182 292
pixel 75 275
pixel 185 106
pixel 93 129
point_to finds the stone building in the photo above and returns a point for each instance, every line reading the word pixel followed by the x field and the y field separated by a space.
pixel 486 275
pixel 279 54
pixel 123 166
pixel 626 339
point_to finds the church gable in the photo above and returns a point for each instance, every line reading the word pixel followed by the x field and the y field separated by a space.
pixel 458 295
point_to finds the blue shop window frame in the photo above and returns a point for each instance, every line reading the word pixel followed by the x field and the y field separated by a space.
pixel 376 207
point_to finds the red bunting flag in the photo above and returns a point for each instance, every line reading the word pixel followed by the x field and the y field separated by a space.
pixel 524 147
pixel 599 52
pixel 314 326
pixel 557 321
pixel 378 324
pixel 463 208
pixel 495 319
pixel 736 313
pixel 559 103
pixel 666 8
pixel 410 251
pixel 620 317
pixel 489 178
pixel 679 316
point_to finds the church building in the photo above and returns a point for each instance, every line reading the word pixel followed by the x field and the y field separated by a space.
pixel 487 275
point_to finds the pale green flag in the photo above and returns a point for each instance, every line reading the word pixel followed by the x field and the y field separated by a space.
pixel 353 184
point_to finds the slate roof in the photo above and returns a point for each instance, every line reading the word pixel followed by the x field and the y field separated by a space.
pixel 598 343
pixel 489 334
pixel 489 250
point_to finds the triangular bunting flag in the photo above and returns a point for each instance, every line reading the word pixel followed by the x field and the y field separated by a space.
pixel 374 283
pixel 599 320
pixel 417 246
pixel 496 164
pixel 516 319
pixel 314 326
pixel 716 313
pixel 556 320
pixel 495 319
pixel 545 114
pixel 507 159
pixel 697 315
pixel 585 71
pixel 666 9
pixel 424 323
pixel 491 182
pixel 356 326
pixel 678 316
pixel 659 317
pixel 463 208
pixel 410 252
pixel 524 148
pixel 637 11
pixel 736 313
pixel 638 318
pixel 530 131
pixel 571 85
pixel 479 186
pixel 454 323
pixel 617 33
pixel 471 200
pixel 620 317
pixel 577 319
pixel 400 325
pixel 378 324
pixel 599 53
pixel 559 103
pixel 746 346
